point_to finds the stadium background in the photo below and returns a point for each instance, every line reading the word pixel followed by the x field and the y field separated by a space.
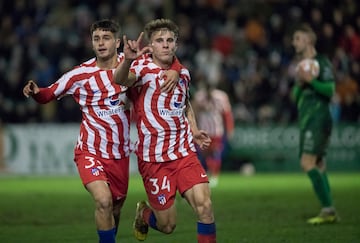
pixel 247 48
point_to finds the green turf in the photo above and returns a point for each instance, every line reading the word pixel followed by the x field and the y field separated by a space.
pixel 262 208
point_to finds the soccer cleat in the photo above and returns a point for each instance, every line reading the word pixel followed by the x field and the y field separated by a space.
pixel 324 218
pixel 141 228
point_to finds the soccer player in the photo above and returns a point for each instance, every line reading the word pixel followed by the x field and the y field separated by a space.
pixel 214 115
pixel 167 159
pixel 102 149
pixel 312 96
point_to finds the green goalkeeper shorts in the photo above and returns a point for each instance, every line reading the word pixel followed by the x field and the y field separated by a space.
pixel 315 136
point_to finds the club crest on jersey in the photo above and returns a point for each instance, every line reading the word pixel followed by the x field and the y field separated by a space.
pixel 162 199
pixel 115 100
pixel 177 104
pixel 95 171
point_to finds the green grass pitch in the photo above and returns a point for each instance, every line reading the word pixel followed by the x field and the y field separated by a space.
pixel 262 208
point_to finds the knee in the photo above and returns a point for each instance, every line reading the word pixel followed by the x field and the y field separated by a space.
pixel 204 211
pixel 306 166
pixel 204 206
pixel 308 162
pixel 104 204
pixel 167 229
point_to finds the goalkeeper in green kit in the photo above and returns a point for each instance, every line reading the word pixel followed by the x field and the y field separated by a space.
pixel 312 94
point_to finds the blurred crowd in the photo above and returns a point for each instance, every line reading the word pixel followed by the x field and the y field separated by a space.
pixel 244 47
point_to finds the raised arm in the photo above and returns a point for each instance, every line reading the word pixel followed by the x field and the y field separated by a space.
pixel 122 74
pixel 131 51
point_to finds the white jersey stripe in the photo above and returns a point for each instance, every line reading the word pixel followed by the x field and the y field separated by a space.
pixel 147 140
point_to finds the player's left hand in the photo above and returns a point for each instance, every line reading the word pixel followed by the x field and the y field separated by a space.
pixel 171 78
pixel 202 139
pixel 30 89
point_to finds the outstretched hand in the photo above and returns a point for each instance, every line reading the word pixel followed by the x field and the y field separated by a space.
pixel 202 139
pixel 132 48
pixel 30 89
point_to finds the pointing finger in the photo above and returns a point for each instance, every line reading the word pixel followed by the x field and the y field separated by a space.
pixel 139 40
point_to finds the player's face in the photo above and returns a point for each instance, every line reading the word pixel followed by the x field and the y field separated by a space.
pixel 300 42
pixel 104 44
pixel 163 44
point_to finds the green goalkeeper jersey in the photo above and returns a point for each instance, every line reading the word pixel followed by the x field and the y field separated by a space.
pixel 313 99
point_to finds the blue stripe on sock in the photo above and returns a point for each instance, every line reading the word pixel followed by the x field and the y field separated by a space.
pixel 152 221
pixel 206 229
pixel 106 236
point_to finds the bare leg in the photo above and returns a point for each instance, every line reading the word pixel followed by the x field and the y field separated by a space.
pixel 101 194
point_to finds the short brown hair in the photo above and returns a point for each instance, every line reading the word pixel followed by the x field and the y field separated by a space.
pixel 107 25
pixel 158 24
pixel 306 28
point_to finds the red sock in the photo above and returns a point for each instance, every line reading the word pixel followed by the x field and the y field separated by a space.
pixel 206 238
pixel 206 233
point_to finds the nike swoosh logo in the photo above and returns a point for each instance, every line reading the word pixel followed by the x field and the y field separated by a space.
pixel 203 175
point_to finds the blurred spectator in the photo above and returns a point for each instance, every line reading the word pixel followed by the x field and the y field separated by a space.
pixel 246 46
pixel 348 93
pixel 208 62
pixel 350 42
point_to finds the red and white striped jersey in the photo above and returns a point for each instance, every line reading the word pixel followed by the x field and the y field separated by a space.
pixel 105 125
pixel 164 132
